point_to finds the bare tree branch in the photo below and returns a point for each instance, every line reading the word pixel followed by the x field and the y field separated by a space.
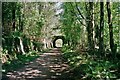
pixel 79 11
pixel 77 16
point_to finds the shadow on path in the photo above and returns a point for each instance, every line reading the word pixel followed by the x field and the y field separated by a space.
pixel 49 66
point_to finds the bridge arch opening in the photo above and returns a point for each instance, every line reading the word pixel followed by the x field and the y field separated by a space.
pixel 58 41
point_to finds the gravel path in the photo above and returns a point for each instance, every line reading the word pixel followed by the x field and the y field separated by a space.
pixel 49 66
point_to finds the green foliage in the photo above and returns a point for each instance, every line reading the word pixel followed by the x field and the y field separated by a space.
pixel 91 67
pixel 38 46
pixel 19 62
pixel 65 48
pixel 70 25
pixel 33 20
pixel 86 65
pixel 100 69
pixel 28 22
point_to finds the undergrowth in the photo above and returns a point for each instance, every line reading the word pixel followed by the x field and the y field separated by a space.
pixel 85 66
pixel 18 62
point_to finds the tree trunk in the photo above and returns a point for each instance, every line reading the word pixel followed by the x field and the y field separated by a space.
pixel 21 22
pixel 21 16
pixel 21 46
pixel 13 16
pixel 89 17
pixel 118 25
pixel 110 28
pixel 101 31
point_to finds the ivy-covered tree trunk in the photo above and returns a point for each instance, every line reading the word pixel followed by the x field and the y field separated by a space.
pixel 101 31
pixel 21 16
pixel 119 24
pixel 13 15
pixel 89 21
pixel 112 46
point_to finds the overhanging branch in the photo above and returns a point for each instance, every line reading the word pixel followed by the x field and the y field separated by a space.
pixel 77 16
pixel 79 11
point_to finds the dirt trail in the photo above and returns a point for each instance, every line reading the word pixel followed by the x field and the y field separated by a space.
pixel 49 66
